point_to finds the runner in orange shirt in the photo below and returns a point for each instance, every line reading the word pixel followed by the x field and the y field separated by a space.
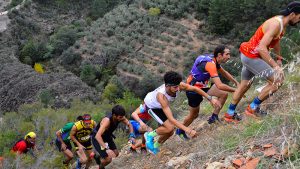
pixel 257 61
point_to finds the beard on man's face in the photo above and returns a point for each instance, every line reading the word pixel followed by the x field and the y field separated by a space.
pixel 291 23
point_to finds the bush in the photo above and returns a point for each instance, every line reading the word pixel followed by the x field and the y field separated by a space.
pixel 111 92
pixel 148 83
pixel 70 57
pixel 33 52
pixel 154 11
pixel 46 97
pixel 129 101
pixel 101 7
pixel 65 37
pixel 87 74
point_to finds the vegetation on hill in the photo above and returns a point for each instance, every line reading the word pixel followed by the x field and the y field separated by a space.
pixel 132 39
pixel 122 51
pixel 46 121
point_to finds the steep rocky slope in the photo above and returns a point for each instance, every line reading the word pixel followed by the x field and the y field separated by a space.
pixel 20 84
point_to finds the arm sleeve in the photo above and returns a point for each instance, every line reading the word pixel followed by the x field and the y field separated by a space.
pixel 211 69
pixel 67 128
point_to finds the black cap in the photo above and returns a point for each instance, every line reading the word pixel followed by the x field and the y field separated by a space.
pixel 291 7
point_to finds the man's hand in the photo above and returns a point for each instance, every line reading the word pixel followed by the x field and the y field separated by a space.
pixel 279 62
pixel 279 74
pixel 192 133
pixel 144 126
pixel 215 103
pixel 63 146
pixel 81 147
pixel 131 138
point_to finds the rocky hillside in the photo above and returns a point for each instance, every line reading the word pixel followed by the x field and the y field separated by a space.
pixel 21 84
pixel 269 142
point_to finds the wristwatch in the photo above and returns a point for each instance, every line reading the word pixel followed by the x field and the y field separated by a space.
pixel 209 98
pixel 105 148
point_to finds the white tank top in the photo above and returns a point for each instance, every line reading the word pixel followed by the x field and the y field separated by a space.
pixel 151 100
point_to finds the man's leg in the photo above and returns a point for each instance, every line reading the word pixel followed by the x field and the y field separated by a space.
pixel 89 159
pixel 222 96
pixel 230 115
pixel 82 158
pixel 105 161
pixel 240 91
pixel 116 152
pixel 261 69
pixel 194 113
pixel 165 131
pixel 69 156
pixel 137 130
pixel 194 101
pixel 274 83
pixel 105 158
pixel 67 152
pixel 247 77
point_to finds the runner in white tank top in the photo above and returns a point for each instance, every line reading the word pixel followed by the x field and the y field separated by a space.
pixel 151 98
pixel 157 105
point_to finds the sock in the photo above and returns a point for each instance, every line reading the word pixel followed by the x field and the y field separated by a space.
pixel 214 115
pixel 78 166
pixel 156 144
pixel 231 109
pixel 153 133
pixel 255 103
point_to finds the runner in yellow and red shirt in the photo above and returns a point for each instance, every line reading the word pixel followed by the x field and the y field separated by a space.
pixel 25 144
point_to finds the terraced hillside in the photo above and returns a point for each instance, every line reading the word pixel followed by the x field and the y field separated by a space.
pixel 136 44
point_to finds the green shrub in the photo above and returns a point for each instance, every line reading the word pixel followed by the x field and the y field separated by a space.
pixel 70 57
pixel 129 101
pixel 101 7
pixel 7 139
pixel 87 74
pixel 154 11
pixel 111 92
pixel 46 97
pixel 33 52
pixel 65 37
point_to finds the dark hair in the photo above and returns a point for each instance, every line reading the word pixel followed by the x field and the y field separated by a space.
pixel 172 78
pixel 291 7
pixel 79 118
pixel 118 110
pixel 219 49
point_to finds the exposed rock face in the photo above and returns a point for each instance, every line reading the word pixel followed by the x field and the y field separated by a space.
pixel 20 84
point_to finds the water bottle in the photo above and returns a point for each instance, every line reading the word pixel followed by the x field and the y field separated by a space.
pixel 142 108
